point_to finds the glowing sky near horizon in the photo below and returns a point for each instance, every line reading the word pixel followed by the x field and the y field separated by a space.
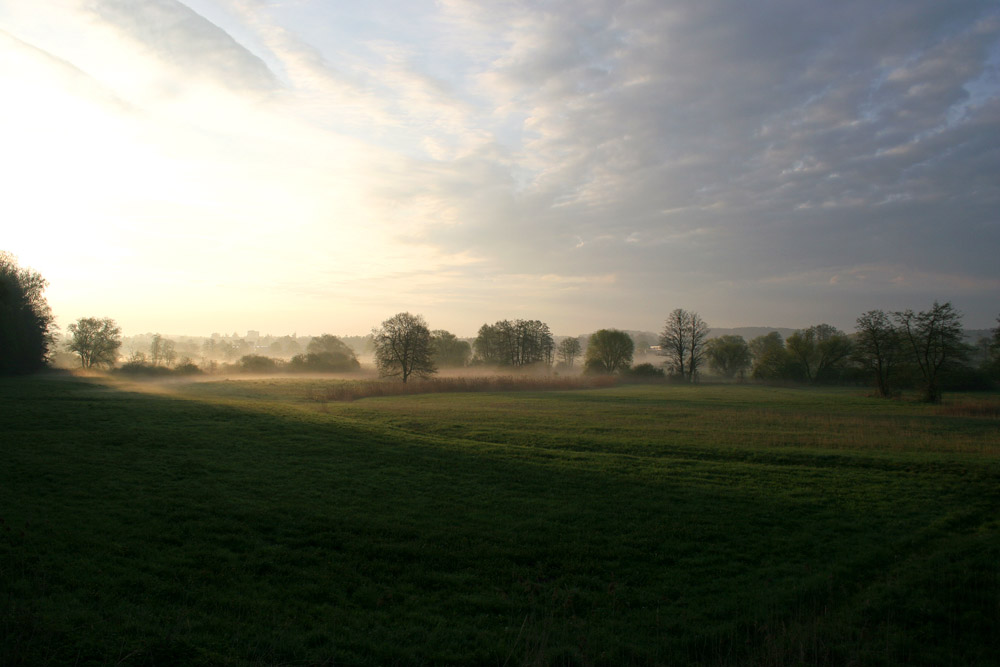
pixel 306 166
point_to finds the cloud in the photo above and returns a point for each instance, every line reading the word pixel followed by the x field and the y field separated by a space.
pixel 186 40
pixel 470 155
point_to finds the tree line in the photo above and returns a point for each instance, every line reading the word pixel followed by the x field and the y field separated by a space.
pixel 891 350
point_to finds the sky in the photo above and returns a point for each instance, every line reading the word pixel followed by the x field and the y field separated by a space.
pixel 310 166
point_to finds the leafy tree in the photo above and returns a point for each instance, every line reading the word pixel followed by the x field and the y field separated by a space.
pixel 448 350
pixel 819 352
pixel 878 348
pixel 683 342
pixel 331 353
pixel 325 354
pixel 96 341
pixel 403 347
pixel 728 356
pixel 569 349
pixel 770 359
pixel 932 338
pixel 518 343
pixel 609 351
pixel 26 327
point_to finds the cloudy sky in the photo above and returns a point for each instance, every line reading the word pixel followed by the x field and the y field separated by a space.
pixel 317 165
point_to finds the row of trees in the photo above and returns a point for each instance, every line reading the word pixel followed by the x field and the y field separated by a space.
pixel 891 348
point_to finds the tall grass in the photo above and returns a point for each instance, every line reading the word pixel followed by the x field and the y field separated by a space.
pixel 969 407
pixel 352 390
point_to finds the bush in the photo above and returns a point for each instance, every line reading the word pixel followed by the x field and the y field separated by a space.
pixel 323 362
pixel 646 371
pixel 187 368
pixel 140 368
pixel 255 363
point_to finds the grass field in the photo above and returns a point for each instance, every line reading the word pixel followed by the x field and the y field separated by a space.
pixel 257 522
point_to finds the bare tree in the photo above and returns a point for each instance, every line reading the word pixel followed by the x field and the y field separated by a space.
pixel 569 350
pixel 877 348
pixel 162 350
pixel 932 338
pixel 683 342
pixel 403 347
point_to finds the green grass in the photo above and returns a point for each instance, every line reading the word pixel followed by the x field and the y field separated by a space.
pixel 248 523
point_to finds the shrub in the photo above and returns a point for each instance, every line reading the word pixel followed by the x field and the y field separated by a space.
pixel 255 363
pixel 646 371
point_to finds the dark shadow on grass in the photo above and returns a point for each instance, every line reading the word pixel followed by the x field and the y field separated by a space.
pixel 142 529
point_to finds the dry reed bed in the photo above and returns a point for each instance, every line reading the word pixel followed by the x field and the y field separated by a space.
pixel 353 390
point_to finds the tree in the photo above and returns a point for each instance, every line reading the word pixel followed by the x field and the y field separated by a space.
pixel 877 348
pixel 96 341
pixel 26 326
pixel 448 350
pixel 993 366
pixel 770 359
pixel 609 351
pixel 403 347
pixel 728 356
pixel 325 354
pixel 162 350
pixel 819 352
pixel 331 353
pixel 518 343
pixel 932 338
pixel 569 350
pixel 683 342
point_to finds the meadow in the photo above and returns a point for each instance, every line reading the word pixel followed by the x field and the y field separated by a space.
pixel 267 522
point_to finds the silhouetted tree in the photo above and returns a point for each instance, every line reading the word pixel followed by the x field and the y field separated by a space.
pixel 770 359
pixel 993 366
pixel 448 350
pixel 96 341
pixel 569 349
pixel 26 327
pixel 728 356
pixel 819 352
pixel 403 347
pixel 683 343
pixel 609 351
pixel 877 348
pixel 932 338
